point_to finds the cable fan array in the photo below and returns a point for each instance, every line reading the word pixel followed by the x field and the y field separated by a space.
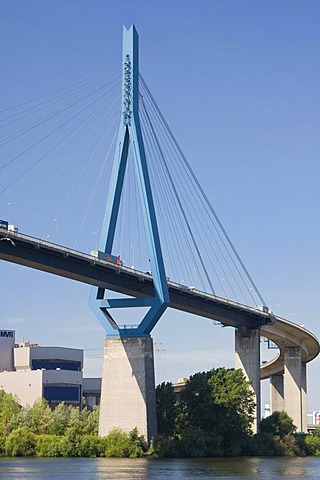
pixel 56 153
pixel 193 238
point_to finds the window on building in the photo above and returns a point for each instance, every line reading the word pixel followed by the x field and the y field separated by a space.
pixel 54 364
pixel 62 393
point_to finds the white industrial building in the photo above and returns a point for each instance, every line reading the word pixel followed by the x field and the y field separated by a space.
pixel 54 373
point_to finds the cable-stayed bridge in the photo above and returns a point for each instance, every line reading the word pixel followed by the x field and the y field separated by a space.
pixel 161 244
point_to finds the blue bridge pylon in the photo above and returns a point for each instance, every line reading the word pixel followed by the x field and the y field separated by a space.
pixel 130 136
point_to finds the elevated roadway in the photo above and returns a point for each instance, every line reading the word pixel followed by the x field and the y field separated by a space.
pixel 286 334
pixel 65 262
pixel 58 260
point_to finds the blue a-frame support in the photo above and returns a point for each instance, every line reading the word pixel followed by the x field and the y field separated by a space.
pixel 130 135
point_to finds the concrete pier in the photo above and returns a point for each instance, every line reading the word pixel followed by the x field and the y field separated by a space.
pixel 295 389
pixel 247 357
pixel 128 397
pixel 276 393
pixel 304 421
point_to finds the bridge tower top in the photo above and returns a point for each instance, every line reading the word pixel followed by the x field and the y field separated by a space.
pixel 130 135
pixel 130 75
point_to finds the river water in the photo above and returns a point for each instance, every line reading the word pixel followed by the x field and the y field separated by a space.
pixel 150 469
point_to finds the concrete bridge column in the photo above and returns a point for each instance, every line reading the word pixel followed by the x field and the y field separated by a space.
pixel 247 357
pixel 128 398
pixel 276 393
pixel 304 422
pixel 295 387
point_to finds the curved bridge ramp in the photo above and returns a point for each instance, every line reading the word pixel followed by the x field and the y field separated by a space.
pixel 287 371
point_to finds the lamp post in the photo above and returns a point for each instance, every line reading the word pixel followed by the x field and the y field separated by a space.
pixel 132 265
pixel 57 229
pixel 96 240
pixel 10 211
pixel 194 276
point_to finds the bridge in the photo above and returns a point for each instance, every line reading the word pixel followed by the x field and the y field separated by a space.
pixel 128 377
pixel 297 346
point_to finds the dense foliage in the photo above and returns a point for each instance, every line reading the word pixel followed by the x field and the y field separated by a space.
pixel 277 437
pixel 65 431
pixel 213 417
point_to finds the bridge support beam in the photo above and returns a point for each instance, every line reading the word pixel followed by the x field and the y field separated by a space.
pixel 276 393
pixel 128 397
pixel 295 389
pixel 247 357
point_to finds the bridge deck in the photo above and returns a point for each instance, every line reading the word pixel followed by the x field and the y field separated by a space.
pixel 55 259
pixel 65 262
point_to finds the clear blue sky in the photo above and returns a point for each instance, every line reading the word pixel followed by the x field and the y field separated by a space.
pixel 238 82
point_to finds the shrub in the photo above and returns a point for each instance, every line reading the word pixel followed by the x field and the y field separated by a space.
pixel 313 444
pixel 90 446
pixel 21 443
pixel 49 446
pixel 279 423
pixel 121 445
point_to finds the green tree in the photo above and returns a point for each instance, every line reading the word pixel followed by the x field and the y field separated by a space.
pixel 21 443
pixel 137 444
pixel 166 408
pixel 312 443
pixel 41 415
pixel 9 407
pixel 216 408
pixel 196 443
pixel 276 437
pixel 90 420
pixel 213 398
pixel 121 445
pixel 37 418
pixel 91 446
pixel 230 389
pixel 278 424
pixel 197 409
pixel 117 444
pixel 23 418
pixel 233 394
pixel 60 420
pixel 71 442
pixel 74 420
pixel 49 445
